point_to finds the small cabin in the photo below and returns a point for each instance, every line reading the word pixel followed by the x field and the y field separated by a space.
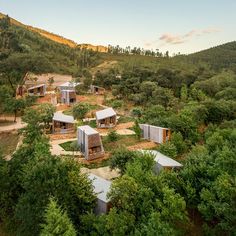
pixel 37 90
pixel 97 90
pixel 90 142
pixel 106 118
pixel 155 133
pixel 162 161
pixel 101 187
pixel 63 123
pixel 67 93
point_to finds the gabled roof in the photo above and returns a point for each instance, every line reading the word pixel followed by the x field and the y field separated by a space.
pixel 69 84
pixel 101 187
pixel 108 112
pixel 36 86
pixel 88 130
pixel 59 116
pixel 163 160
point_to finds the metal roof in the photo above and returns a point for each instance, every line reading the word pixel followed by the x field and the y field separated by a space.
pixel 69 84
pixel 108 112
pixel 88 130
pixel 153 126
pixel 163 160
pixel 101 187
pixel 59 116
pixel 36 86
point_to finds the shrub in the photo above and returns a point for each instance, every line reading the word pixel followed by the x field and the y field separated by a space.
pixel 112 136
pixel 168 149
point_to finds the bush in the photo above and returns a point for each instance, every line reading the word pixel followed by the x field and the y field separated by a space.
pixel 137 112
pixel 178 142
pixel 79 110
pixel 112 136
pixel 168 149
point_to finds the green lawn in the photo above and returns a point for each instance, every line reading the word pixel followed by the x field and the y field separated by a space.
pixel 8 143
pixel 67 145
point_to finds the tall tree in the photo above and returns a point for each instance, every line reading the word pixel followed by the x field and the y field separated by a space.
pixel 57 221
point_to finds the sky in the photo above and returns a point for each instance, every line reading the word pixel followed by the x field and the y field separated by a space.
pixel 183 26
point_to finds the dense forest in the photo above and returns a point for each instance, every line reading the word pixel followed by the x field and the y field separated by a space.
pixel 194 96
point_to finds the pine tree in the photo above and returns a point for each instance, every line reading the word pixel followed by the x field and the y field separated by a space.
pixel 57 222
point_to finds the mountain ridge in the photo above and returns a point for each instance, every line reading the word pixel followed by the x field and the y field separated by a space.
pixel 57 38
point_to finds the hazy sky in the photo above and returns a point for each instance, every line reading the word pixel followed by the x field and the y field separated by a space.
pixel 176 25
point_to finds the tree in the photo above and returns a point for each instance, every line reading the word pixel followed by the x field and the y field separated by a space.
pixel 13 105
pixel 178 142
pixel 47 176
pixel 218 204
pixel 168 149
pixel 119 159
pixel 51 81
pixel 184 93
pixel 80 110
pixel 46 112
pixel 57 221
pixel 137 130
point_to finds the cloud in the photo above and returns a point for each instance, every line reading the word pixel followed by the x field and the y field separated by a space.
pixel 169 38
pixel 172 39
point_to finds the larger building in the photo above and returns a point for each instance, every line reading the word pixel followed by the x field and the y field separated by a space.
pixel 90 142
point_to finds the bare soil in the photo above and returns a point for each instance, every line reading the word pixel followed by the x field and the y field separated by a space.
pixel 143 145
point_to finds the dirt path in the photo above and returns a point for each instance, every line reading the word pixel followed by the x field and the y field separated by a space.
pixel 122 126
pixel 103 172
pixel 143 145
pixel 12 126
pixel 91 99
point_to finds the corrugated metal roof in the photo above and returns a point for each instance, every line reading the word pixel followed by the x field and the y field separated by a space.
pixel 101 187
pixel 88 130
pixel 59 116
pixel 162 159
pixel 108 112
pixel 69 84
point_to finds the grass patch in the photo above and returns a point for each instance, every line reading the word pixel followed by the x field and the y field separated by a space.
pixel 91 123
pixel 91 107
pixel 126 119
pixel 67 146
pixel 123 140
pixel 8 143
pixel 68 112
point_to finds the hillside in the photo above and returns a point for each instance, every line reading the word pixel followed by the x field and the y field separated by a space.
pixel 57 38
pixel 222 56
pixel 23 50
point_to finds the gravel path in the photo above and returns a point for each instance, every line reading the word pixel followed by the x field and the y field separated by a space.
pixel 56 149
